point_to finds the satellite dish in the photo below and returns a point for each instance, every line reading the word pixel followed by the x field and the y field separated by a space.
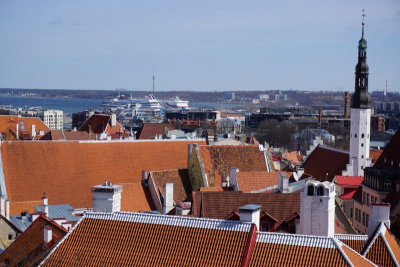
pixel 295 176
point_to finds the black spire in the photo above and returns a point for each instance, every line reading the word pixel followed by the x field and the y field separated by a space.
pixel 361 98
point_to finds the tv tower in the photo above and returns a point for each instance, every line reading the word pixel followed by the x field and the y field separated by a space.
pixel 386 87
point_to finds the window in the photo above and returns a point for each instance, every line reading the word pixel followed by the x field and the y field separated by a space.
pixel 362 156
pixel 310 190
pixel 265 226
pixel 363 222
pixel 367 199
pixel 397 188
pixel 362 135
pixel 320 191
pixel 359 215
pixel 362 144
pixel 355 135
pixel 387 185
pixel 355 215
pixel 351 213
pixel 364 198
pixel 366 220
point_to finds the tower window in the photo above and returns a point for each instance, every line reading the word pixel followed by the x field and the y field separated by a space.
pixel 310 190
pixel 355 135
pixel 320 191
pixel 362 135
pixel 362 145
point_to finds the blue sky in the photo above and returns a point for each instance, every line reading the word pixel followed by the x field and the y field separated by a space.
pixel 196 45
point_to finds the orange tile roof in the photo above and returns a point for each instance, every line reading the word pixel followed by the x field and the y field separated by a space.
pixel 29 247
pixel 180 179
pixel 150 130
pixel 136 197
pixel 66 171
pixel 253 181
pixel 126 239
pixel 275 249
pixel 293 156
pixel 100 123
pixel 374 154
pixel 381 247
pixel 356 242
pixel 326 160
pixel 218 160
pixel 8 127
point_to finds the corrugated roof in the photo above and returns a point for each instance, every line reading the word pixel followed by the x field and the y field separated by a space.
pixel 349 180
pixel 60 211
pixel 66 171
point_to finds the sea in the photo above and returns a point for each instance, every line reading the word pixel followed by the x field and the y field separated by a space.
pixel 75 105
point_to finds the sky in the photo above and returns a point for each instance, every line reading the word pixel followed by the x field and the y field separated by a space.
pixel 197 45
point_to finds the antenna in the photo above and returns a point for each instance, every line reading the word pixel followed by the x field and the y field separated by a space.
pixel 363 15
pixel 154 78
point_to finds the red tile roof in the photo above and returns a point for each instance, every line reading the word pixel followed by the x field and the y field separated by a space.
pixel 374 154
pixel 150 130
pixel 354 241
pixel 218 160
pixel 180 179
pixel 29 247
pixel 348 195
pixel 349 181
pixel 381 247
pixel 390 154
pixel 67 135
pixel 8 127
pixel 276 249
pixel 125 239
pixel 253 181
pixel 66 171
pixel 325 160
pixel 220 205
pixel 292 156
pixel 100 123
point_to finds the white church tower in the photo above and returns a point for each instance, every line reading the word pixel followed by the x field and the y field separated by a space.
pixel 317 209
pixel 360 113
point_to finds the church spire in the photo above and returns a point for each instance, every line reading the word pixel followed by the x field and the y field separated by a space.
pixel 361 98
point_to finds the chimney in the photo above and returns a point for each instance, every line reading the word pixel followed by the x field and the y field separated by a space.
pixel 317 209
pixel 250 213
pixel 48 235
pixel 107 197
pixel 41 132
pixel 44 208
pixel 378 213
pixel 8 209
pixel 346 104
pixel 33 131
pixel 190 149
pixel 3 206
pixel 16 130
pixel 113 120
pixel 283 183
pixel 89 128
pixel 168 197
pixel 300 171
pixel 144 178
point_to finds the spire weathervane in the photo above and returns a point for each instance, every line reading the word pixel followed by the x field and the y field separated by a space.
pixel 363 15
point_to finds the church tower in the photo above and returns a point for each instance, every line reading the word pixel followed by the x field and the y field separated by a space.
pixel 360 112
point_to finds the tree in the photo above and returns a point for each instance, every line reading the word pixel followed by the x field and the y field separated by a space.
pixel 225 126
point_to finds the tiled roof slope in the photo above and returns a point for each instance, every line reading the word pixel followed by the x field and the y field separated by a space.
pixel 67 135
pixel 66 171
pixel 29 247
pixel 180 179
pixel 382 248
pixel 349 180
pixel 220 205
pixel 276 249
pixel 374 154
pixel 390 154
pixel 218 160
pixel 8 127
pixel 356 242
pixel 136 197
pixel 100 123
pixel 253 181
pixel 325 160
pixel 134 239
pixel 150 130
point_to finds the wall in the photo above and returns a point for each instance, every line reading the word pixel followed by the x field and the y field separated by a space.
pixel 196 170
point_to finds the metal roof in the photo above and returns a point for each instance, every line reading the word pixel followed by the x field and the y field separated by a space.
pixel 61 211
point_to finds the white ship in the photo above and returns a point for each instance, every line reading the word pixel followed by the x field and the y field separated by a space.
pixel 176 103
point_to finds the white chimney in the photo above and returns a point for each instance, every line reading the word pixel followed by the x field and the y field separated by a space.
pixel 168 197
pixel 317 209
pixel 233 178
pixel 33 131
pixel 8 209
pixel 300 171
pixel 283 183
pixel 3 206
pixel 250 213
pixel 48 234
pixel 16 130
pixel 44 208
pixel 378 213
pixel 107 197
pixel 113 119
pixel 41 132
pixel 144 177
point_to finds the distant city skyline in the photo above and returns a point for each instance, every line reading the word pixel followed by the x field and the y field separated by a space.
pixel 197 45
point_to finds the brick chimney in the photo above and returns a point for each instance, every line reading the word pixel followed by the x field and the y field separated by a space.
pixel 250 213
pixel 378 213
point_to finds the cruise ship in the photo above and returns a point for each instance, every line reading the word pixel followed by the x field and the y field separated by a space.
pixel 176 103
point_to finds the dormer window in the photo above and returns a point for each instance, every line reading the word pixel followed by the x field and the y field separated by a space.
pixel 387 185
pixel 310 190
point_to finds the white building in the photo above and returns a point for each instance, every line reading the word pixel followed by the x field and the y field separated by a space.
pixel 54 119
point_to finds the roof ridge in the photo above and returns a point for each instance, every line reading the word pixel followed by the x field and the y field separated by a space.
pixel 300 240
pixel 358 253
pixel 334 149
pixel 387 244
pixel 193 222
pixel 339 247
pixel 372 239
pixel 352 236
